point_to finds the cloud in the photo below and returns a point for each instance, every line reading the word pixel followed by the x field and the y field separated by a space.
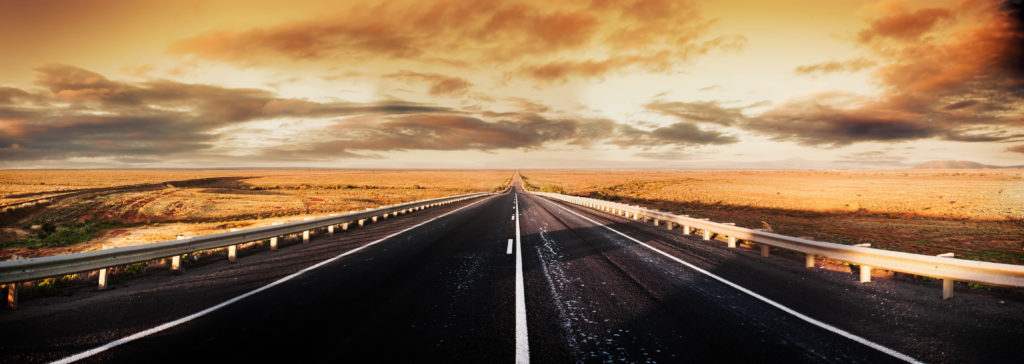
pixel 904 26
pixel 531 38
pixel 11 94
pixel 1016 149
pixel 945 73
pixel 677 134
pixel 81 113
pixel 699 111
pixel 853 65
pixel 439 84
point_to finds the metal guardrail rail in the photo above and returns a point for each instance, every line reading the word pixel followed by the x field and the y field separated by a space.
pixel 16 271
pixel 946 268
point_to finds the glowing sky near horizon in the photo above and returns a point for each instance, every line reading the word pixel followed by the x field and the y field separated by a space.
pixel 510 84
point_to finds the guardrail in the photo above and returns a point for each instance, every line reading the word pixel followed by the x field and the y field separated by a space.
pixel 943 267
pixel 13 272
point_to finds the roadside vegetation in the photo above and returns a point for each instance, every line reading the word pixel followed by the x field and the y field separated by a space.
pixel 116 208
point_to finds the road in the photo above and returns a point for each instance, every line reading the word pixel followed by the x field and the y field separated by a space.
pixel 443 285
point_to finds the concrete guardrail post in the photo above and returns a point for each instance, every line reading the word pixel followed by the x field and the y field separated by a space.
pixel 273 240
pixel 176 259
pixel 101 280
pixel 344 226
pixel 865 273
pixel 707 236
pixel 731 240
pixel 765 250
pixel 232 250
pixel 305 233
pixel 687 230
pixel 12 295
pixel 361 222
pixel 947 284
pixel 809 261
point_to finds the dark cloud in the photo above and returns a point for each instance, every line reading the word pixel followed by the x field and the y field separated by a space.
pixel 944 73
pixel 813 121
pixel 81 113
pixel 678 134
pixel 108 118
pixel 439 84
pixel 853 65
pixel 11 94
pixel 461 132
pixel 699 111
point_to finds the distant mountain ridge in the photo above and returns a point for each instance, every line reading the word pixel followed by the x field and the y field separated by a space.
pixel 958 165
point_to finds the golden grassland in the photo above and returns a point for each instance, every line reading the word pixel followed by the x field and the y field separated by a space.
pixel 127 207
pixel 976 214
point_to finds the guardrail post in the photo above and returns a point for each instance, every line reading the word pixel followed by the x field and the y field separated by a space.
pixel 12 295
pixel 273 240
pixel 176 259
pixel 305 233
pixel 765 250
pixel 686 230
pixel 373 219
pixel 344 226
pixel 809 261
pixel 657 222
pixel 102 281
pixel 232 249
pixel 947 284
pixel 668 225
pixel 707 236
pixel 330 229
pixel 102 275
pixel 361 222
pixel 865 273
pixel 732 241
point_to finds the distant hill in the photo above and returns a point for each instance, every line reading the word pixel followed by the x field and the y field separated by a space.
pixel 958 165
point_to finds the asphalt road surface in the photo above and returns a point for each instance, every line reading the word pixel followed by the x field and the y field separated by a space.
pixel 504 278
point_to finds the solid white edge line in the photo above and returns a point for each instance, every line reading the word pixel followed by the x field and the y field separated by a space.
pixel 522 339
pixel 168 325
pixel 764 299
pixel 508 249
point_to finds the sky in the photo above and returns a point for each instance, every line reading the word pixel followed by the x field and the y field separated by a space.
pixel 788 84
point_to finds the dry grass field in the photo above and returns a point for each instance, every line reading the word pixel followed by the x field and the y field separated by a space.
pixel 976 214
pixel 92 208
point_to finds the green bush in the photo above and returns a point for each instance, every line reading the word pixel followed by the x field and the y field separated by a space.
pixel 62 235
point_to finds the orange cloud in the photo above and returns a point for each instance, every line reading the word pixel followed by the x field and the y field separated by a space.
pixel 904 26
pixel 951 73
pixel 852 65
pixel 1016 149
pixel 619 34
